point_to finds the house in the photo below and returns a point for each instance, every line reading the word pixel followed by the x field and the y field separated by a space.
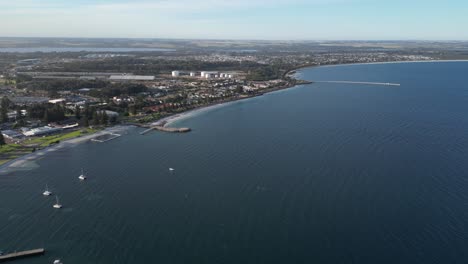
pixel 41 131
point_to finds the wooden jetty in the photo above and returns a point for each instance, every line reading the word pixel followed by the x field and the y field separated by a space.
pixel 22 254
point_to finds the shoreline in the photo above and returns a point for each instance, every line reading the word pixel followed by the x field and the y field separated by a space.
pixel 168 120
pixel 367 63
pixel 189 113
pixel 20 161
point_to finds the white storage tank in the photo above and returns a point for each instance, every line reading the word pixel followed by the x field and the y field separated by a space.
pixel 175 73
pixel 203 73
pixel 192 74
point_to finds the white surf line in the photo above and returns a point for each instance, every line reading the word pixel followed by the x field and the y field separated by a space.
pixel 352 82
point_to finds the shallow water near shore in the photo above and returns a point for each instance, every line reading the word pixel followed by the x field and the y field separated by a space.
pixel 321 173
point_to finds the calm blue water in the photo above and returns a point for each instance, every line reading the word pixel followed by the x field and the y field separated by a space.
pixel 78 49
pixel 323 173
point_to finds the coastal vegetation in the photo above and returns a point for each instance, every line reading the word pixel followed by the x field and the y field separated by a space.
pixel 99 88
pixel 142 66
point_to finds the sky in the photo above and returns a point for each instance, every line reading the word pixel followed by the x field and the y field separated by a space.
pixel 237 19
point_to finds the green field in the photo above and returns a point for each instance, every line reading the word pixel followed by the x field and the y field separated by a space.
pixel 13 151
pixel 47 140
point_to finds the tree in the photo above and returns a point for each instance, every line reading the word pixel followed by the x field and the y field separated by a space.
pixel 113 119
pixel 4 114
pixel 6 102
pixel 104 118
pixel 53 94
pixel 86 110
pixel 46 116
pixel 132 109
pixel 4 109
pixel 2 140
pixel 19 115
pixel 36 111
pixel 85 121
pixel 77 112
pixel 96 118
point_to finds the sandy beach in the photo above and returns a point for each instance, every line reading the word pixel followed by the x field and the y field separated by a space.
pixel 167 121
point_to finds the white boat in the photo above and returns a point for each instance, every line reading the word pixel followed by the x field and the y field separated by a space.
pixel 58 261
pixel 47 192
pixel 171 169
pixel 82 176
pixel 57 205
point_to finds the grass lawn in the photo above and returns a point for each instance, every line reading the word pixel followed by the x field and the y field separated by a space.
pixel 13 151
pixel 47 140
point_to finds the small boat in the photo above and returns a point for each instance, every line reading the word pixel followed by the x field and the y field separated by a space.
pixel 58 261
pixel 171 169
pixel 57 205
pixel 82 176
pixel 47 192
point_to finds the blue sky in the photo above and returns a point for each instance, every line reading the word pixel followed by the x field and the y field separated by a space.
pixel 238 19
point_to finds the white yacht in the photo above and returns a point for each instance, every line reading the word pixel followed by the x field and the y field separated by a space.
pixel 57 205
pixel 82 176
pixel 58 261
pixel 171 169
pixel 47 192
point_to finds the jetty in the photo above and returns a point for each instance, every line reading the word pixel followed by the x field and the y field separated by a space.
pixel 366 83
pixel 22 254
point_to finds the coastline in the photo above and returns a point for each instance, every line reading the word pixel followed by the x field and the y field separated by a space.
pixel 367 63
pixel 22 160
pixel 168 120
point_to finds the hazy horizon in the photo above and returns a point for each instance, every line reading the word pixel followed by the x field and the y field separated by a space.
pixel 238 39
pixel 298 20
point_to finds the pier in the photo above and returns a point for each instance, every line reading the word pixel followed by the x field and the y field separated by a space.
pixel 366 83
pixel 22 254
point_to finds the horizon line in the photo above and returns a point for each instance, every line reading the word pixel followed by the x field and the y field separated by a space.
pixel 238 39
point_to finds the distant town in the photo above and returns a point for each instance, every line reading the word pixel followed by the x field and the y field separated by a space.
pixel 47 97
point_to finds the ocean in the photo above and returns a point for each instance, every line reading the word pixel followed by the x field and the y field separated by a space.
pixel 319 173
